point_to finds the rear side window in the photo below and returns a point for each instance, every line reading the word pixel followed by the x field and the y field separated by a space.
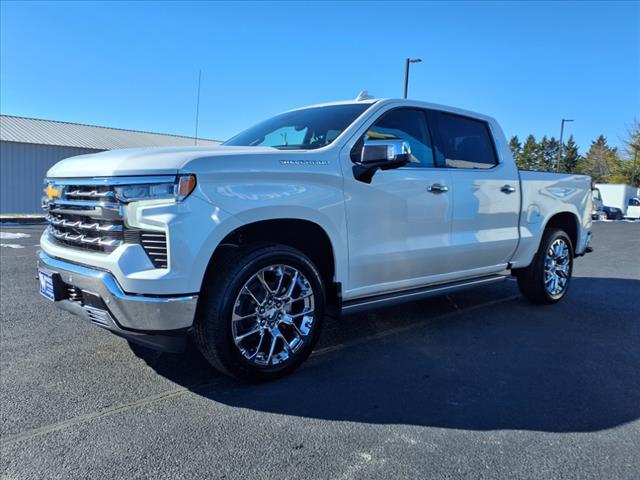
pixel 409 125
pixel 463 142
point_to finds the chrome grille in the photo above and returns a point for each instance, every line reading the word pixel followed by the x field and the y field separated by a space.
pixel 83 234
pixel 87 215
pixel 102 193
pixel 95 226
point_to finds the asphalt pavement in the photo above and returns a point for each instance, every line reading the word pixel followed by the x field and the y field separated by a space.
pixel 479 384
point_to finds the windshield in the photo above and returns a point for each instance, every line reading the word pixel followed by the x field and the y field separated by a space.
pixel 306 129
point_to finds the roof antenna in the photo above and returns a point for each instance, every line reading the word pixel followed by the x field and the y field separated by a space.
pixel 198 106
pixel 363 95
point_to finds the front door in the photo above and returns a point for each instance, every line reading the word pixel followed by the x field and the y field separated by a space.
pixel 399 225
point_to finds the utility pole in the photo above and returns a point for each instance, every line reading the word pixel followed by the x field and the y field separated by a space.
pixel 198 106
pixel 408 61
pixel 561 140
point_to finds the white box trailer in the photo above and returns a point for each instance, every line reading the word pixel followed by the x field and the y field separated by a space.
pixel 620 196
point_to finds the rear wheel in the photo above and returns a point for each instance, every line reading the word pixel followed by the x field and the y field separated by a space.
pixel 547 279
pixel 261 312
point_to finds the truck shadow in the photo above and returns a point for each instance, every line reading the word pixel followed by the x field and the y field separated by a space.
pixel 510 365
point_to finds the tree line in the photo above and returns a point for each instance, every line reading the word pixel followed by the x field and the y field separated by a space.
pixel 604 163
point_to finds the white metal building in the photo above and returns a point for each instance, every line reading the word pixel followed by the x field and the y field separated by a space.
pixel 30 146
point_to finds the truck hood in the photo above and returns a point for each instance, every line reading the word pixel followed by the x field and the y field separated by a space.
pixel 143 161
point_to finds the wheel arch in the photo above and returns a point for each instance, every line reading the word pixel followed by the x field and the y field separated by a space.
pixel 569 223
pixel 531 235
pixel 310 238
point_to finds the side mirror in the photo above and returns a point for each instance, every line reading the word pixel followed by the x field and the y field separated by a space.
pixel 381 155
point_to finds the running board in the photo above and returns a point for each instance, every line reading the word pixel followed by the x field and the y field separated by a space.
pixel 388 299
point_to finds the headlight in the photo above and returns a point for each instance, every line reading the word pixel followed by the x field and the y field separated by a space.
pixel 177 190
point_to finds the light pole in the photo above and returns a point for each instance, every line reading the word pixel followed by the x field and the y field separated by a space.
pixel 561 144
pixel 408 61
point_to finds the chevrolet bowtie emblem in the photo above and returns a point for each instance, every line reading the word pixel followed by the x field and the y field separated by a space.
pixel 53 192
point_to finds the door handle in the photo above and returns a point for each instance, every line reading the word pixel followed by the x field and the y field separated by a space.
pixel 507 189
pixel 437 188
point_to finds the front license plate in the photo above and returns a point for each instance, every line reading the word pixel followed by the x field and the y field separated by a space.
pixel 46 284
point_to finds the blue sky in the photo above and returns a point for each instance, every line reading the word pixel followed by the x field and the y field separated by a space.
pixel 135 65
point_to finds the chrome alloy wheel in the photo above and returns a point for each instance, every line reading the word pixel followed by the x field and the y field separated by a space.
pixel 557 267
pixel 273 315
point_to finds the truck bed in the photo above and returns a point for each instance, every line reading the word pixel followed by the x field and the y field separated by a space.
pixel 543 195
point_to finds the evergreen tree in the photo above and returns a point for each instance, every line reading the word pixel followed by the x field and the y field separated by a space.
pixel 628 170
pixel 548 154
pixel 529 154
pixel 543 148
pixel 600 161
pixel 516 148
pixel 570 156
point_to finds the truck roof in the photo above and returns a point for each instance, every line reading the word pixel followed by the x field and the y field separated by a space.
pixel 408 101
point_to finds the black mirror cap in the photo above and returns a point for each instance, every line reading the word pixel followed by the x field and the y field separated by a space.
pixel 400 161
pixel 363 172
pixel 370 155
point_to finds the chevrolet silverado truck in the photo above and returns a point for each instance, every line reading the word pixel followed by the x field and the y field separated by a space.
pixel 339 207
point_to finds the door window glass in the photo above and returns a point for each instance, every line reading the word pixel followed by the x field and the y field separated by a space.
pixel 409 125
pixel 465 142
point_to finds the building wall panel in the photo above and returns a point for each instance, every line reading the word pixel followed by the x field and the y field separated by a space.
pixel 23 166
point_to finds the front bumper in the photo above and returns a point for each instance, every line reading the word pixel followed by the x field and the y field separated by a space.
pixel 159 322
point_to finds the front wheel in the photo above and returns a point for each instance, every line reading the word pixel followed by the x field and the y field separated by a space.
pixel 261 312
pixel 547 279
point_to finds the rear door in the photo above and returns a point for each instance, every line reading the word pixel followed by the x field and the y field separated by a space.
pixel 486 194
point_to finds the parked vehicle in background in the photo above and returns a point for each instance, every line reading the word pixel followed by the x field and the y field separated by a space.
pixel 345 206
pixel 597 207
pixel 613 213
pixel 633 209
pixel 618 195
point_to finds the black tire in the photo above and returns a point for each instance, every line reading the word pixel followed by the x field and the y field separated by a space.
pixel 213 325
pixel 531 280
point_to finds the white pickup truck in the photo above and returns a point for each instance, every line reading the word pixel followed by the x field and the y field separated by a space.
pixel 344 206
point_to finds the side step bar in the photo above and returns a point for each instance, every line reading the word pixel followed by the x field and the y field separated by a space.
pixel 388 299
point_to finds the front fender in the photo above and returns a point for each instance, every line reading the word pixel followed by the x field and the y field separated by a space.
pixel 241 202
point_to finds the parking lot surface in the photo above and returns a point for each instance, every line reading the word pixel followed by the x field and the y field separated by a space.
pixel 479 384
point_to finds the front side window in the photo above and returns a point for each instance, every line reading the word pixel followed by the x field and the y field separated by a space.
pixel 465 142
pixel 305 129
pixel 595 194
pixel 409 125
